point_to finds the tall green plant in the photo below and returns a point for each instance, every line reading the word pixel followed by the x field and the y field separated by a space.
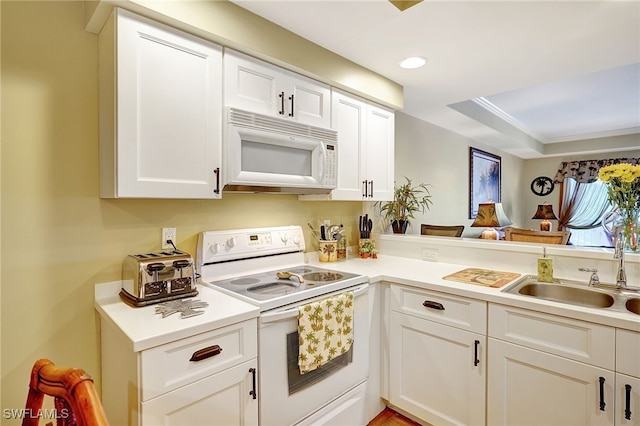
pixel 407 200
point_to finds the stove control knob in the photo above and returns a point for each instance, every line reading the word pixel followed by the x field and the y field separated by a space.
pixel 231 242
pixel 284 238
pixel 214 248
pixel 296 240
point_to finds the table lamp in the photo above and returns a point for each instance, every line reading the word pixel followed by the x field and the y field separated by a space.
pixel 545 212
pixel 490 216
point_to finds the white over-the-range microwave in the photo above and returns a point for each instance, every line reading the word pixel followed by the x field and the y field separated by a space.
pixel 269 154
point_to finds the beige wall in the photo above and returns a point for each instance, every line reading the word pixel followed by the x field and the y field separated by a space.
pixel 439 157
pixel 58 237
pixel 431 154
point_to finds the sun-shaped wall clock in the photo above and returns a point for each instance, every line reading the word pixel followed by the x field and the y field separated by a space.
pixel 542 186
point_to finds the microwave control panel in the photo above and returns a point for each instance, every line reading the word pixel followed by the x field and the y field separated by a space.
pixel 331 165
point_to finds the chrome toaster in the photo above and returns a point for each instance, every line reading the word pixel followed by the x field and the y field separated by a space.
pixel 157 277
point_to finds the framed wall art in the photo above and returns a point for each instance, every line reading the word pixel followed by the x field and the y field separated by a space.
pixel 484 179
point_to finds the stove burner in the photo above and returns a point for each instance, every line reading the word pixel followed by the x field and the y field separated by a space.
pixel 301 270
pixel 323 276
pixel 245 281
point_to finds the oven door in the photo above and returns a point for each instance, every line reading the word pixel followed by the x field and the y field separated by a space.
pixel 287 397
pixel 271 159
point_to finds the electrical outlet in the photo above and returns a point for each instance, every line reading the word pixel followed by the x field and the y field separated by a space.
pixel 430 255
pixel 326 223
pixel 168 234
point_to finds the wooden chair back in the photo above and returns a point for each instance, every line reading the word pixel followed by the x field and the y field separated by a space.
pixel 75 399
pixel 442 230
pixel 532 236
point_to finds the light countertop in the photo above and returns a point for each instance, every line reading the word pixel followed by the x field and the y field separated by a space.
pixel 428 275
pixel 143 328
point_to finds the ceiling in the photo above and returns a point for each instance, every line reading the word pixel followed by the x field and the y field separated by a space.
pixel 531 78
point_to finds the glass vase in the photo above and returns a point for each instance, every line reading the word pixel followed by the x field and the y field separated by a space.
pixel 628 223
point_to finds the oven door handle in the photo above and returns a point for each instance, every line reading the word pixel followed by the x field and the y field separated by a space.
pixel 293 312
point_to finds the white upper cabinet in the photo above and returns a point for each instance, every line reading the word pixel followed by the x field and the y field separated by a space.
pixel 160 111
pixel 365 150
pixel 257 86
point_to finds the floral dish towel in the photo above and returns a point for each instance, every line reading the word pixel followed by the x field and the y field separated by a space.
pixel 325 331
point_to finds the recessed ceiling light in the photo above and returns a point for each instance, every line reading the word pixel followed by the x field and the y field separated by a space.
pixel 413 62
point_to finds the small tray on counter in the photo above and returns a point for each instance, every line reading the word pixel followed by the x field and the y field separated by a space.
pixel 482 277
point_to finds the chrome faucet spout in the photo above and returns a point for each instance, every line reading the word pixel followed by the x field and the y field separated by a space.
pixel 621 277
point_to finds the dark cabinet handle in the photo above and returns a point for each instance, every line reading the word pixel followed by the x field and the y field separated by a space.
pixel 627 402
pixel 602 403
pixel 281 96
pixel 364 187
pixel 371 190
pixel 291 99
pixel 253 392
pixel 476 361
pixel 433 305
pixel 205 353
pixel 217 173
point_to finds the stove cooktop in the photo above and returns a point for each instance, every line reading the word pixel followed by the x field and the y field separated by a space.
pixel 269 291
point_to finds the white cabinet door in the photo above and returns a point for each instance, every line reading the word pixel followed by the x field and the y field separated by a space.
pixel 365 150
pixel 529 387
pixel 257 86
pixel 627 400
pixel 220 400
pixel 436 372
pixel 160 106
pixel 379 156
pixel 349 120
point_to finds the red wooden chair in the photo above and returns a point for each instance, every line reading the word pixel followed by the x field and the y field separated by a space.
pixel 75 399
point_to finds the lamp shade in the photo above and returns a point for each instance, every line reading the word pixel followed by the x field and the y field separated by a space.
pixel 545 211
pixel 491 215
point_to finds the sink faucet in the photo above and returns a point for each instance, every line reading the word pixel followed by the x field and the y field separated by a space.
pixel 621 277
pixel 594 279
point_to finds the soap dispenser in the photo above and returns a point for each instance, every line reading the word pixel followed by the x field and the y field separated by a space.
pixel 545 268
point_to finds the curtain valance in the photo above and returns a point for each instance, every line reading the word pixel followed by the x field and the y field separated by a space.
pixel 586 171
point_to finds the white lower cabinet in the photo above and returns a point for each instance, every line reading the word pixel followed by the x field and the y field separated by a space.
pixel 627 378
pixel 627 400
pixel 436 369
pixel 204 379
pixel 530 387
pixel 549 370
pixel 220 400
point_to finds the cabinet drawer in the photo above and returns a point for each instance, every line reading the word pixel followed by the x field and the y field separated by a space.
pixel 578 340
pixel 460 312
pixel 628 352
pixel 169 366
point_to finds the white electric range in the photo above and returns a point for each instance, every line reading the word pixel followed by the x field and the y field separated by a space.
pixel 265 267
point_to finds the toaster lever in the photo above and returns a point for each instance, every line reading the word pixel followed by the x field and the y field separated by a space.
pixel 179 264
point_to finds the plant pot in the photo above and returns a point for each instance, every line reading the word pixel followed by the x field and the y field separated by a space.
pixel 399 226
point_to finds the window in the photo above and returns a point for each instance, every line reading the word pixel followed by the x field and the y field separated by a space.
pixel 589 205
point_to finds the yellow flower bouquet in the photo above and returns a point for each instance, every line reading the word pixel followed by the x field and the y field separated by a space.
pixel 623 189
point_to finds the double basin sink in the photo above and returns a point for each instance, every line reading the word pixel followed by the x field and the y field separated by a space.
pixel 574 293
